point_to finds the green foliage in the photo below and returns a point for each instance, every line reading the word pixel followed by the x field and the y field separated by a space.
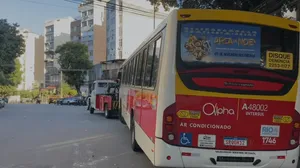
pixel 7 90
pixel 68 90
pixel 16 76
pixel 25 94
pixel 11 46
pixel 35 93
pixel 251 5
pixel 31 94
pixel 74 56
pixel 45 93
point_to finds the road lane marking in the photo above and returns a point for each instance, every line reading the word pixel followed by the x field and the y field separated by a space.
pixel 96 162
pixel 70 142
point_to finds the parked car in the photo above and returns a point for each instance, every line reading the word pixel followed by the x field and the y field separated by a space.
pixel 69 101
pixel 5 100
pixel 59 101
pixel 2 103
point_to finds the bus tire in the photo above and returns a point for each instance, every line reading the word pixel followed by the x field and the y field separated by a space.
pixel 92 110
pixel 134 145
pixel 106 112
pixel 121 118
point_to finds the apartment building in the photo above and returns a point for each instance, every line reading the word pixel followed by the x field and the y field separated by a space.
pixel 56 32
pixel 27 60
pixel 128 24
pixel 76 30
pixel 93 29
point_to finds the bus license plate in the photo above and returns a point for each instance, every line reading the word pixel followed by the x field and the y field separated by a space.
pixel 235 141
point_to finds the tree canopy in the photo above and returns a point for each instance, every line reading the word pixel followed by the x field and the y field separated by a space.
pixel 12 45
pixel 68 90
pixel 73 58
pixel 263 6
pixel 16 76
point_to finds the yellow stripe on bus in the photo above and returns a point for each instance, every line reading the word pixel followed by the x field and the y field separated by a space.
pixel 237 16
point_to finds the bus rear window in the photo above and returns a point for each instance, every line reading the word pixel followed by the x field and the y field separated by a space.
pixel 210 44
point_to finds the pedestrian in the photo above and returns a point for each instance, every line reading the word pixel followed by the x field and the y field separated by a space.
pixel 89 102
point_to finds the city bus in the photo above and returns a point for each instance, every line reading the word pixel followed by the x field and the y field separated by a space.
pixel 215 88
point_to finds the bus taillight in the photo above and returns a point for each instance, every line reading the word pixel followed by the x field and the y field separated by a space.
pixel 169 130
pixel 294 142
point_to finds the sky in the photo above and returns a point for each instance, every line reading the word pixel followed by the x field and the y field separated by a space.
pixel 32 14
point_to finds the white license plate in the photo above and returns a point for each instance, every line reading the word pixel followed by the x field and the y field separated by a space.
pixel 235 141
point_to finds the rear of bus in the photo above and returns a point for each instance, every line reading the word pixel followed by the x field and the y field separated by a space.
pixel 236 86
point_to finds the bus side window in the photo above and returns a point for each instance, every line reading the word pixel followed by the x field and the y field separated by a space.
pixel 132 70
pixel 136 70
pixel 156 62
pixel 141 67
pixel 148 67
pixel 124 75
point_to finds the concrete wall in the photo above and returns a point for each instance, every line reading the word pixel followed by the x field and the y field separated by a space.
pixel 39 64
pixel 128 28
pixel 76 31
pixel 27 60
pixel 99 43
pixel 133 36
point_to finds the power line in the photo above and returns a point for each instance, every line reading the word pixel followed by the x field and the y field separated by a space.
pixel 47 4
pixel 122 6
pixel 112 8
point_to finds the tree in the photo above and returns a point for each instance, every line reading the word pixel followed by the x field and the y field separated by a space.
pixel 16 76
pixel 12 45
pixel 73 57
pixel 68 90
pixel 7 90
pixel 263 6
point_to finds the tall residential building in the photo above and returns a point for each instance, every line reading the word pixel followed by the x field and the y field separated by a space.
pixel 27 60
pixel 56 32
pixel 39 62
pixel 128 25
pixel 76 30
pixel 93 29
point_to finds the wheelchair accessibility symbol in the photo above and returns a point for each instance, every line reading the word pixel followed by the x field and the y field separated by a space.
pixel 186 139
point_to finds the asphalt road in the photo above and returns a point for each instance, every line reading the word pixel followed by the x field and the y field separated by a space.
pixel 50 136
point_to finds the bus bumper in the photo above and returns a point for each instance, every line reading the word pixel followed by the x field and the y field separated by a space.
pixel 172 156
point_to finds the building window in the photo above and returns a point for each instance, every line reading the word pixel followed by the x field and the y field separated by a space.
pixel 91 22
pixel 90 43
pixel 84 14
pixel 90 12
pixel 83 23
pixel 91 53
pixel 74 29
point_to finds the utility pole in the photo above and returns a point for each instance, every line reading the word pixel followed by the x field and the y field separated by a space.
pixel 61 82
pixel 154 5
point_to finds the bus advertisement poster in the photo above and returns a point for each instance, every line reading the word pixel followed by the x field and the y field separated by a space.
pixel 220 43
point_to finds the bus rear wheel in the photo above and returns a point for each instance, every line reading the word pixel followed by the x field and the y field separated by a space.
pixel 134 145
